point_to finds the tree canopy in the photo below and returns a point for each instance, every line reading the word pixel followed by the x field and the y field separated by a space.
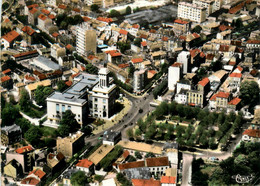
pixel 128 10
pixel 41 93
pixel 9 114
pixel 24 101
pixel 33 135
pixel 94 7
pixel 61 86
pixel 249 93
pixel 68 124
pixel 114 13
pixel 79 178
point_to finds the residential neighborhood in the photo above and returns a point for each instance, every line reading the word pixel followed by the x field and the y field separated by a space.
pixel 137 92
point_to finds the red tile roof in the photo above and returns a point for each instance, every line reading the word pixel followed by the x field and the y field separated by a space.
pixel 165 38
pixel 83 68
pixel 91 57
pixel 124 65
pixel 143 43
pixel 131 165
pixel 176 64
pixel 51 16
pixel 152 31
pixel 38 172
pixel 137 60
pixel 6 20
pixel 224 27
pixel 86 19
pixel 210 56
pixel 24 149
pixel 61 6
pixel 220 95
pixel 204 81
pixel 69 46
pixel 113 53
pixel 196 35
pixel 234 101
pixel 224 48
pixel 28 30
pixel 252 133
pixel 143 182
pixel 76 10
pixel 33 10
pixel 240 68
pixel 124 32
pixel 10 36
pixel 157 161
pixel 75 75
pixel 42 17
pixel 126 154
pixel 84 163
pixel 55 34
pixel 28 77
pixel 194 52
pixel 25 53
pixel 168 179
pixel 152 71
pixel 6 71
pixel 238 75
pixel 44 11
pixel 237 8
pixel 135 26
pixel 253 41
pixel 30 181
pixel 105 19
pixel 33 6
pixel 254 72
pixel 5 78
pixel 68 83
pixel 143 36
pixel 202 55
pixel 182 37
pixel 179 21
pixel 232 63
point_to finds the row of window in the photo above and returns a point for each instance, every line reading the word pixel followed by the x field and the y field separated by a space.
pixel 63 108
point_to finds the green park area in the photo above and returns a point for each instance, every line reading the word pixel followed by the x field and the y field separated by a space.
pixel 189 126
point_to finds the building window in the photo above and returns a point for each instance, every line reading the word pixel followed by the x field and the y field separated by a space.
pixel 57 107
pixel 95 99
pixel 69 107
pixel 63 108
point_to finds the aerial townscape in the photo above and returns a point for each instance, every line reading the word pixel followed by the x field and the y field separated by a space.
pixel 130 92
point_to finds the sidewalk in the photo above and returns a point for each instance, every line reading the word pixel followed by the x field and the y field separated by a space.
pixel 115 118
pixel 35 121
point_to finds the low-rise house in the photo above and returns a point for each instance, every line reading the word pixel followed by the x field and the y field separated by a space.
pixel 253 44
pixel 11 134
pixel 66 62
pixel 181 97
pixel 55 162
pixel 33 86
pixel 71 144
pixel 58 51
pixel 24 156
pixel 181 26
pixel 33 15
pixel 28 34
pixel 34 178
pixel 137 62
pixel 234 80
pixel 157 165
pixel 8 40
pixel 7 82
pixel 111 137
pixel 251 135
pixel 86 166
pixel 114 56
pixel 146 182
pixel 143 148
pixel 13 169
pixel 44 22
pixel 168 181
pixel 67 176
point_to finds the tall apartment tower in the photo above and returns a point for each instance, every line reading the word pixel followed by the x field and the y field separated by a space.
pixel 192 12
pixel 174 75
pixel 208 4
pixel 139 79
pixel 103 96
pixel 86 40
pixel 185 59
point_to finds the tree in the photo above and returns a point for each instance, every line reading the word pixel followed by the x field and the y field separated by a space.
pixel 138 155
pixel 249 93
pixel 239 23
pixel 68 123
pixel 137 41
pixel 91 69
pixel 138 132
pixel 94 7
pixel 79 178
pixel 123 46
pixel 33 135
pixel 25 102
pixel 77 19
pixel 149 155
pixel 128 10
pixel 131 70
pixel 62 86
pixel 197 29
pixel 131 158
pixel 23 123
pixel 114 13
pixel 130 133
pixel 3 101
pixel 122 179
pixel 41 93
pixel 9 114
